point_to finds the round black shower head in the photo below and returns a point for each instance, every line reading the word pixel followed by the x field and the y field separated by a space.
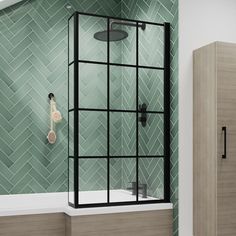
pixel 115 35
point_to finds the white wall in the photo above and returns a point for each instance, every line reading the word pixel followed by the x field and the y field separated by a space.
pixel 7 3
pixel 200 22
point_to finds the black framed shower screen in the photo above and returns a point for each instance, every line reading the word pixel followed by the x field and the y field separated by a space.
pixel 74 157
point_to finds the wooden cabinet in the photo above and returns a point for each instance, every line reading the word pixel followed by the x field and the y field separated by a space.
pixel 214 89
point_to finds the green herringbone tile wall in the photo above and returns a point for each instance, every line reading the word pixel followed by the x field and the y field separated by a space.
pixel 33 62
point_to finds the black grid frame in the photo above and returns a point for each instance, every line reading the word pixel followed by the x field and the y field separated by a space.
pixel 166 113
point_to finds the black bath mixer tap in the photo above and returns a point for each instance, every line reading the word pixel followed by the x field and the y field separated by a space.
pixel 142 188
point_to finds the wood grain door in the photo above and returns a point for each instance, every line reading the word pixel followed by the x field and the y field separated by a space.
pixel 226 168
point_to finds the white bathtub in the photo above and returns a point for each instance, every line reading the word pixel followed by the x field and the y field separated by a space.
pixel 26 204
pixel 118 195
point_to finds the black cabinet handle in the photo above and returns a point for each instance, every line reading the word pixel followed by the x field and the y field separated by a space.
pixel 225 141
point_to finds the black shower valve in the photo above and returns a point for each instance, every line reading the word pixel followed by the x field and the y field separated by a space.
pixel 143 118
pixel 143 107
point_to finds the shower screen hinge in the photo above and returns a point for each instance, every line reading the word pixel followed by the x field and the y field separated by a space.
pixel 143 118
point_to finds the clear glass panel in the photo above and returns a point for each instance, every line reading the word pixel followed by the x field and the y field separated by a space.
pixel 124 51
pixel 151 89
pixel 71 86
pixel 122 134
pixel 151 136
pixel 71 39
pixel 71 180
pixel 89 47
pixel 115 52
pixel 129 46
pixel 92 86
pixel 122 88
pixel 151 179
pixel 122 174
pixel 92 181
pixel 151 46
pixel 71 133
pixel 92 133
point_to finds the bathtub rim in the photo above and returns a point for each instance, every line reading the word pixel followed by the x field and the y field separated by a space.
pixel 45 203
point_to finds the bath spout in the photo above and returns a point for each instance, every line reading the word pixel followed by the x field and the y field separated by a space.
pixel 142 189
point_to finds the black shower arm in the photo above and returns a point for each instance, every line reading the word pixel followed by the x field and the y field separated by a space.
pixel 116 22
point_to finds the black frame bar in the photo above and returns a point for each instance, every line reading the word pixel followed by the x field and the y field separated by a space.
pixel 118 64
pixel 108 111
pixel 76 109
pixel 119 157
pixel 137 109
pixel 116 18
pixel 76 112
pixel 116 110
pixel 167 112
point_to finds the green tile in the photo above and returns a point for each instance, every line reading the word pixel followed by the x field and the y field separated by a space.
pixel 5 111
pixel 39 177
pixel 21 184
pixel 19 26
pixel 37 187
pixel 6 162
pixel 20 173
pixel 5 123
pixel 18 163
pixel 5 182
pixel 59 184
pixel 5 147
pixel 38 35
pixel 18 139
pixel 20 150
